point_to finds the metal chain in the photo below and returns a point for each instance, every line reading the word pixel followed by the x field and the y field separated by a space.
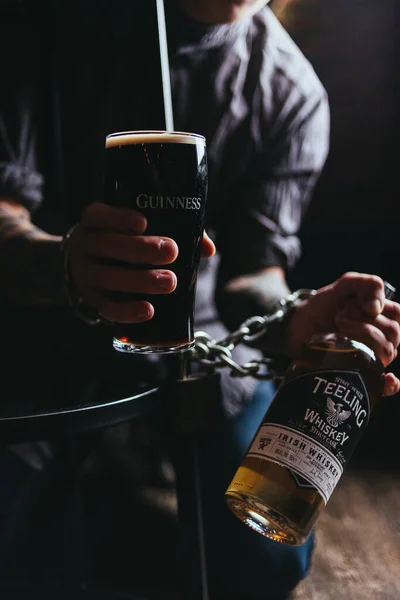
pixel 217 354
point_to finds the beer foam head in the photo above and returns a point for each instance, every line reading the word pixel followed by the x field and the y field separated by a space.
pixel 126 138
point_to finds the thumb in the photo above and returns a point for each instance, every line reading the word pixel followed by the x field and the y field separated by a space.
pixel 366 290
pixel 208 247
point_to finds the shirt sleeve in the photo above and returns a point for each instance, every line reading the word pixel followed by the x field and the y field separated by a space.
pixel 263 227
pixel 19 175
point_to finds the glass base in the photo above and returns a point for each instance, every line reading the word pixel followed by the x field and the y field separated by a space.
pixel 264 520
pixel 131 348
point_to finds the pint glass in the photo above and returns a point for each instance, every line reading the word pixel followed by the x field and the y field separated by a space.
pixel 164 176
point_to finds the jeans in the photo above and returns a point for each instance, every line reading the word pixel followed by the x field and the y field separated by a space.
pixel 241 563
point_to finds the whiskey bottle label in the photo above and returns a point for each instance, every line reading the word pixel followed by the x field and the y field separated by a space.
pixel 313 426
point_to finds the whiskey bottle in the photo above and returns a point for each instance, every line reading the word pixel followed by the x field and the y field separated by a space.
pixel 306 437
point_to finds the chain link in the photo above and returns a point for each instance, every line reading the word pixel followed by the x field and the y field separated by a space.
pixel 217 354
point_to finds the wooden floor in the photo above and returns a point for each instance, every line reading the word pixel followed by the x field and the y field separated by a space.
pixel 357 555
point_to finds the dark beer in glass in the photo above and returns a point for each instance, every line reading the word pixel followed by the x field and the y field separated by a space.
pixel 164 176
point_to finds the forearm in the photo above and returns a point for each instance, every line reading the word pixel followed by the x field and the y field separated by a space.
pixel 249 295
pixel 252 295
pixel 30 260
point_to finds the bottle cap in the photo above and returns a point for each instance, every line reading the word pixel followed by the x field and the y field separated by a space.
pixel 389 290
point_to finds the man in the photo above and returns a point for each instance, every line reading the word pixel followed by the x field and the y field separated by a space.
pixel 238 79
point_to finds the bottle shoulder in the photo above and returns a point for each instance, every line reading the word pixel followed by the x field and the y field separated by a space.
pixel 335 352
pixel 337 343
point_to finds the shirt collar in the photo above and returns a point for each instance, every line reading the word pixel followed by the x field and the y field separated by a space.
pixel 187 35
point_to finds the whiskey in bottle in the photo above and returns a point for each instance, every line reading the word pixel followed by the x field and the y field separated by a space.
pixel 312 427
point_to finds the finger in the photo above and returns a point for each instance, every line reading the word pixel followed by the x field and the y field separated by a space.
pixel 102 216
pixel 124 312
pixel 132 281
pixel 208 246
pixel 389 327
pixel 132 249
pixel 367 289
pixel 392 310
pixel 391 385
pixel 370 335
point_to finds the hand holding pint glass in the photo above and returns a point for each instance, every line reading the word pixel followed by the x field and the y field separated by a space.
pixel 163 176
